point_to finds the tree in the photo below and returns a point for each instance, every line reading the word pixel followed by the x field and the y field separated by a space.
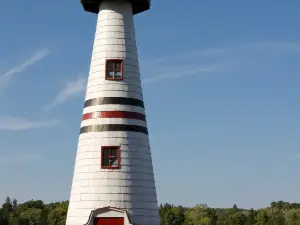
pixel 251 217
pixel 32 215
pixel 277 218
pixel 292 217
pixel 7 208
pixel 57 216
pixel 212 214
pixel 261 218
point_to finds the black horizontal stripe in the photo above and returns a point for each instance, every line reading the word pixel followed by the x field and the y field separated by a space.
pixel 113 127
pixel 114 101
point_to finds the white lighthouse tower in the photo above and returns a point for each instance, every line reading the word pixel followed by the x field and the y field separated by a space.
pixel 113 181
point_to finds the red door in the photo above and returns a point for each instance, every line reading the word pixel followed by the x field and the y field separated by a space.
pixel 109 221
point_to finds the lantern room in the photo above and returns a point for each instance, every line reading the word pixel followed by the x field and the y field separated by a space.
pixel 138 6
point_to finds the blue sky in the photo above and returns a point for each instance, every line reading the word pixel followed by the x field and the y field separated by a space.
pixel 221 85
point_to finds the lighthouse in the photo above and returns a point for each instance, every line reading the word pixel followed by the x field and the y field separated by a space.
pixel 113 181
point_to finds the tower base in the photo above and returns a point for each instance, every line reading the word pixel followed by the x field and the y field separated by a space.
pixel 109 216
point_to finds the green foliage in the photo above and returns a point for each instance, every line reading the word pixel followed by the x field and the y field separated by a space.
pixel 279 213
pixel 58 216
pixel 36 212
pixel 33 212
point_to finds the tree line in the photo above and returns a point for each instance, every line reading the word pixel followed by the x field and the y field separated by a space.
pixel 36 212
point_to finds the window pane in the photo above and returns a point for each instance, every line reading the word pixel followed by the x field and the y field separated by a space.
pixel 113 152
pixel 118 65
pixel 110 74
pixel 110 65
pixel 105 162
pixel 106 152
pixel 114 162
pixel 118 74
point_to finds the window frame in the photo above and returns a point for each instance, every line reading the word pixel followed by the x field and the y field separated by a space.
pixel 121 70
pixel 118 166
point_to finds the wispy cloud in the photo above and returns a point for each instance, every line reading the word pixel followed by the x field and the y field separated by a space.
pixel 36 57
pixel 18 158
pixel 261 49
pixel 216 60
pixel 71 89
pixel 9 123
pixel 178 73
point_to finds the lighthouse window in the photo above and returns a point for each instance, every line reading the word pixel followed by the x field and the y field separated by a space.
pixel 110 157
pixel 114 69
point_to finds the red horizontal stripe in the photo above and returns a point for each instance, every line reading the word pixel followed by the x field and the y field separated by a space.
pixel 87 116
pixel 114 114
